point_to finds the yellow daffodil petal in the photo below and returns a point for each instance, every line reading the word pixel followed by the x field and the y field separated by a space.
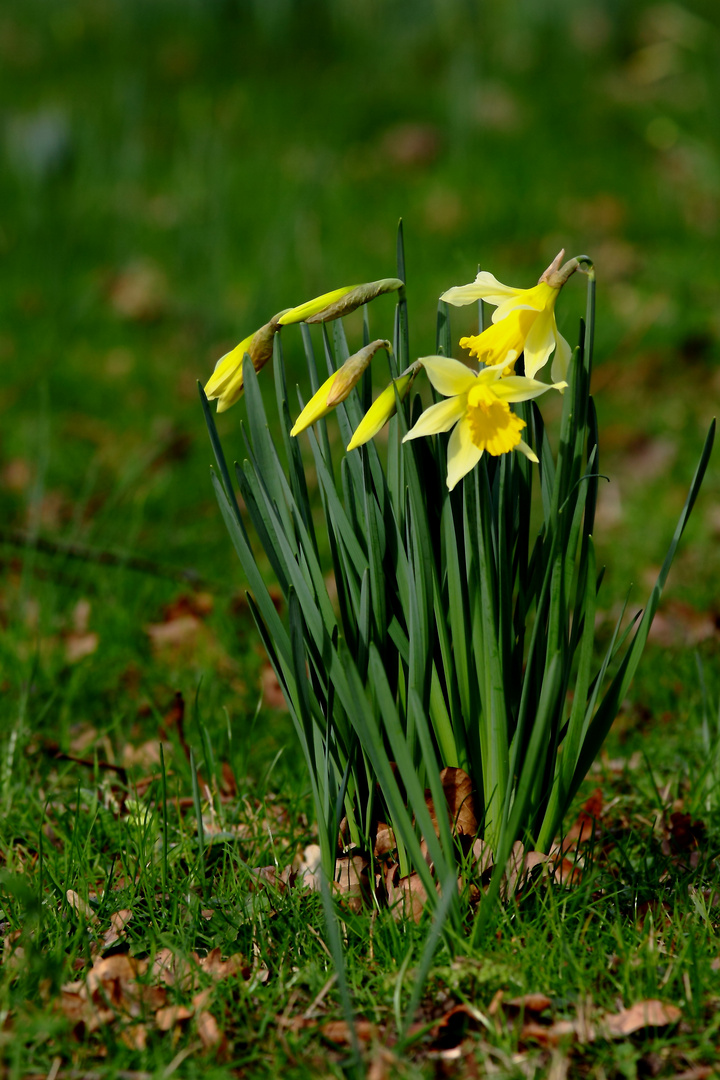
pixel 462 453
pixel 448 376
pixel 382 409
pixel 520 388
pixel 226 367
pixel 440 417
pixel 232 392
pixel 529 454
pixel 539 343
pixel 226 382
pixel 561 360
pixel 316 408
pixel 484 287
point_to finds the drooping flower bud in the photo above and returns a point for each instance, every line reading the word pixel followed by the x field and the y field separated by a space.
pixel 334 305
pixel 384 407
pixel 338 386
pixel 226 381
pixel 310 308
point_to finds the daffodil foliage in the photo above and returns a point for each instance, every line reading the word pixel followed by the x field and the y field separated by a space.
pixel 440 586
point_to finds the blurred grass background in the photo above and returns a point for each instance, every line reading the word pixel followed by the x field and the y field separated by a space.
pixel 173 173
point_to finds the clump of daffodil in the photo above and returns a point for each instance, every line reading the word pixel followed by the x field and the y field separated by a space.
pixel 524 319
pixel 384 407
pixel 338 386
pixel 478 411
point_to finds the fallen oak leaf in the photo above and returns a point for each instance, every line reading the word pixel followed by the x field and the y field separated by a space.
pixel 135 1036
pixel 407 897
pixel 519 867
pixel 643 1014
pixel 583 829
pixel 338 1031
pixel 536 1003
pixel 549 1034
pixel 171 1015
pixel 217 968
pixel 458 792
pixel 116 931
pixel 650 1013
pixel 208 1030
pixel 451 1028
pixel 80 906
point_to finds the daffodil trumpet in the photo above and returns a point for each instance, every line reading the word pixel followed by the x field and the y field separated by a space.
pixel 337 388
pixel 524 319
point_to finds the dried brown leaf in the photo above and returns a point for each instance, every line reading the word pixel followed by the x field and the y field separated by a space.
pixel 642 1014
pixel 271 690
pixel 458 790
pixel 217 968
pixel 338 1031
pixel 352 881
pixel 78 646
pixel 135 1036
pixel 177 633
pixel 536 1003
pixel 140 292
pixel 384 840
pixel 80 906
pixel 519 868
pixel 584 828
pixel 407 896
pixel 171 1015
pixel 208 1030
pixel 549 1034
pixel 116 931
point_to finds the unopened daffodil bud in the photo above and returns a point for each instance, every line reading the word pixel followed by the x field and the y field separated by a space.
pixel 338 386
pixel 334 305
pixel 312 307
pixel 226 382
pixel 384 407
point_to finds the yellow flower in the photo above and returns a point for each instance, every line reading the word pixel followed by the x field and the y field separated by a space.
pixel 226 381
pixel 383 408
pixel 523 322
pixel 338 386
pixel 477 410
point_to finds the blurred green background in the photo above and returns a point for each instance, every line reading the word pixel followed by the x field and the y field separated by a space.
pixel 173 173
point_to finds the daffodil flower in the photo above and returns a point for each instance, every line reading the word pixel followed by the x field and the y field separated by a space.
pixel 524 319
pixel 383 408
pixel 478 411
pixel 338 386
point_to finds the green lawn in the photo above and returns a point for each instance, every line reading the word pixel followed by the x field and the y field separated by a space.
pixel 171 176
